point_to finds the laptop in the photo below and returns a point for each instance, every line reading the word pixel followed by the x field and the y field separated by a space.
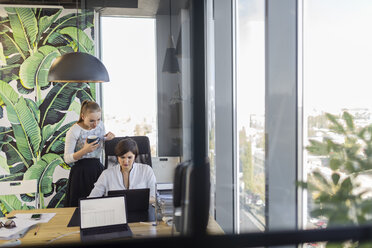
pixel 137 199
pixel 137 204
pixel 103 218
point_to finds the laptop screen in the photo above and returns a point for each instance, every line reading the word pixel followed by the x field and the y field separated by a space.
pixel 106 211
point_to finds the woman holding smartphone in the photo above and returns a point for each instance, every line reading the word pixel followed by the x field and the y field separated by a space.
pixel 83 147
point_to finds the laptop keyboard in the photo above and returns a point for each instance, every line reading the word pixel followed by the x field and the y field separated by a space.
pixel 103 230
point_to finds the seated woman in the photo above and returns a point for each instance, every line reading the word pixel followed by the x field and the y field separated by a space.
pixel 129 175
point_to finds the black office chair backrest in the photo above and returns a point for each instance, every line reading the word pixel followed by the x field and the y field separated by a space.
pixel 144 151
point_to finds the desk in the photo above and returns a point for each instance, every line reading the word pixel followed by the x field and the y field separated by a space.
pixel 57 227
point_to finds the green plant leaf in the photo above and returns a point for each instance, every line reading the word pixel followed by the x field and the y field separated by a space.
pixel 3 210
pixel 335 178
pixel 85 43
pixel 5 131
pixel 56 142
pixel 12 177
pixel 335 164
pixel 11 202
pixel 28 197
pixel 25 127
pixel 8 43
pixel 92 89
pixel 10 67
pixel 57 40
pixel 338 128
pixel 65 49
pixel 317 148
pixel 4 28
pixel 59 198
pixel 4 165
pixel 302 185
pixel 85 21
pixel 57 102
pixel 49 130
pixel 11 48
pixel 346 186
pixel 24 25
pixel 321 179
pixel 34 70
pixel 45 22
pixel 85 94
pixel 16 162
pixel 33 108
pixel 3 61
pixel 43 171
pixel 348 120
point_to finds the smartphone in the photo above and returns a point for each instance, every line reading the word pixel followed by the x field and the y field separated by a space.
pixel 36 216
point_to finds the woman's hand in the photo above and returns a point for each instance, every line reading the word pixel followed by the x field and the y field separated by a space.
pixel 109 136
pixel 87 148
pixel 90 147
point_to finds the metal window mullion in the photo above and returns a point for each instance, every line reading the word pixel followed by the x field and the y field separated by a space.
pixel 281 114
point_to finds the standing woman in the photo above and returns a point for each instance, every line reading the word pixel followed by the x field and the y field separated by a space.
pixel 85 156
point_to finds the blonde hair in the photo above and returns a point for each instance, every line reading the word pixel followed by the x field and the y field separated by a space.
pixel 88 107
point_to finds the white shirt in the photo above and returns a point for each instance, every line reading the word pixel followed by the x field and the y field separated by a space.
pixel 141 176
pixel 75 140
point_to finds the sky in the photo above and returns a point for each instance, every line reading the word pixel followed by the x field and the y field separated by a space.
pixel 337 54
pixel 250 60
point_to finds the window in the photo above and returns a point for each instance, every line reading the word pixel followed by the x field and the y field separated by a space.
pixel 250 80
pixel 129 99
pixel 337 52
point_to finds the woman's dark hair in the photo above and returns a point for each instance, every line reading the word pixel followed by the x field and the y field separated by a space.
pixel 126 145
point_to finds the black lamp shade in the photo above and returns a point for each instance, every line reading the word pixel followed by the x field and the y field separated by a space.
pixel 179 45
pixel 170 61
pixel 78 67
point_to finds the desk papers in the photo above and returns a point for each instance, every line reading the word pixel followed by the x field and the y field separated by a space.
pixel 23 224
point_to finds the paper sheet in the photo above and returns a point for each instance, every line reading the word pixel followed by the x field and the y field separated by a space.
pixel 23 224
pixel 45 217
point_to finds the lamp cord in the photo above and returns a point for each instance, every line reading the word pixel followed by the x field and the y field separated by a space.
pixel 77 26
pixel 170 17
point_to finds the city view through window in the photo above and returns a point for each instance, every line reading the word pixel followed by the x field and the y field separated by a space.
pixel 337 113
pixel 337 54
pixel 129 99
pixel 251 114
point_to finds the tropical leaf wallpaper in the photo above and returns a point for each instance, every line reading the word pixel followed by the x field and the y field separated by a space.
pixel 35 114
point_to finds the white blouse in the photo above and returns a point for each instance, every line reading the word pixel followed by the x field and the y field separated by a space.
pixel 75 140
pixel 141 176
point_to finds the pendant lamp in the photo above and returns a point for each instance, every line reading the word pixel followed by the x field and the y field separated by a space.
pixel 179 45
pixel 170 64
pixel 78 67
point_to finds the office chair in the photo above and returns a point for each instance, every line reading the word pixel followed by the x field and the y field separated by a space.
pixel 144 151
pixel 19 187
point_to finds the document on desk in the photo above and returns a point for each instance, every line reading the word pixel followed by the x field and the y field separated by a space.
pixel 44 218
pixel 23 224
pixel 22 227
